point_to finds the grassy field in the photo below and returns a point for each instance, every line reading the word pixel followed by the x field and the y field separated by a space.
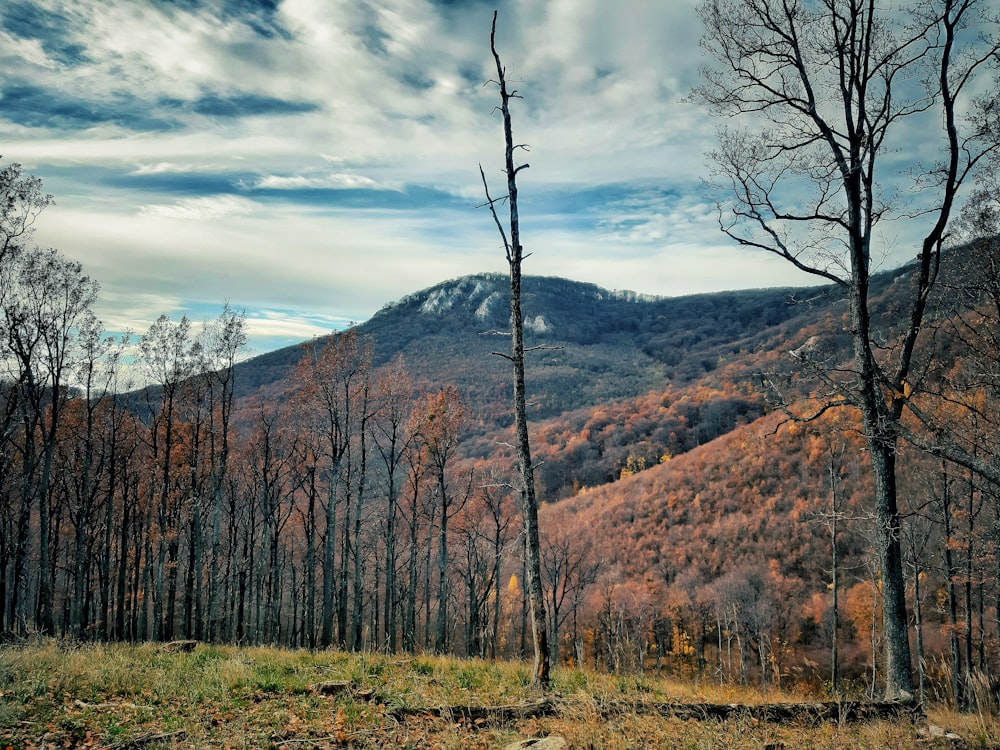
pixel 55 695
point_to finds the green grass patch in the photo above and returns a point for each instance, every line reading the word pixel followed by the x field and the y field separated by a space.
pixel 221 696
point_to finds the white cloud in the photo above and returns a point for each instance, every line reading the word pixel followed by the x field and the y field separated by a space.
pixel 163 167
pixel 24 51
pixel 336 181
pixel 273 324
pixel 209 208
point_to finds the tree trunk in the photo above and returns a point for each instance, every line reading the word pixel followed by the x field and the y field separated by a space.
pixel 881 442
pixel 410 613
pixel 428 556
pixel 309 616
pixel 529 504
pixel 918 614
pixel 357 610
pixel 950 575
pixel 329 573
pixel 967 586
pixel 123 536
pixel 391 600
pixel 441 621
pixel 343 576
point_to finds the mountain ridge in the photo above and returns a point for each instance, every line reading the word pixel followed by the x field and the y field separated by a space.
pixel 558 311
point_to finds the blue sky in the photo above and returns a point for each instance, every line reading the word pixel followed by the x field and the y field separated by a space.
pixel 313 160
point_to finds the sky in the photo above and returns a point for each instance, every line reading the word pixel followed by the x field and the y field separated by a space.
pixel 310 161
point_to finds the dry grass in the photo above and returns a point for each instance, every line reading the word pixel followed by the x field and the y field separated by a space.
pixel 121 696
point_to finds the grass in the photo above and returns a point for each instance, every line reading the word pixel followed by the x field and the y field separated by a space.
pixel 54 694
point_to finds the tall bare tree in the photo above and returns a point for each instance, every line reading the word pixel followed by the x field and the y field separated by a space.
pixel 829 89
pixel 515 254
pixel 224 340
pixel 46 299
pixel 442 418
pixel 168 357
pixel 392 440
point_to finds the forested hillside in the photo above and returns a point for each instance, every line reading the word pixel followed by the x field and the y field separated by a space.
pixel 357 491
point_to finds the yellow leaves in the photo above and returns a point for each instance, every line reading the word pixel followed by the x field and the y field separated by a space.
pixel 861 607
pixel 681 642
pixel 633 465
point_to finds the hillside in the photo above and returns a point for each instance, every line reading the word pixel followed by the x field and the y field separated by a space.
pixel 611 344
pixel 658 453
pixel 622 379
pixel 599 346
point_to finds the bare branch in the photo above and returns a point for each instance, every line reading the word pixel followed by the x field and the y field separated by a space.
pixel 492 204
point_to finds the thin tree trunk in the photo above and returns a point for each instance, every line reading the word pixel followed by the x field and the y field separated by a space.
pixel 967 585
pixel 357 610
pixel 427 577
pixel 918 624
pixel 441 622
pixel 529 504
pixel 345 556
pixel 950 575
pixel 410 615
pixel 123 547
pixel 329 573
pixel 310 571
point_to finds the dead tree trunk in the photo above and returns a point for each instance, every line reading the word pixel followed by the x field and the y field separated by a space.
pixel 529 504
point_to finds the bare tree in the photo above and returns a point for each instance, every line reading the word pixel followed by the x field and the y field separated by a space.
pixel 168 357
pixel 392 439
pixel 331 375
pixel 44 300
pixel 21 201
pixel 570 569
pixel 829 88
pixel 529 504
pixel 442 418
pixel 224 340
pixel 416 471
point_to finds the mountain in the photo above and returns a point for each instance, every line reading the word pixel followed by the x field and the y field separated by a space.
pixel 639 376
pixel 595 345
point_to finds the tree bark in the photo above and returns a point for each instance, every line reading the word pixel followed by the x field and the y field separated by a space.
pixel 950 575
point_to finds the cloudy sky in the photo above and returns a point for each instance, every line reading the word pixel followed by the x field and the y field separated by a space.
pixel 313 160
